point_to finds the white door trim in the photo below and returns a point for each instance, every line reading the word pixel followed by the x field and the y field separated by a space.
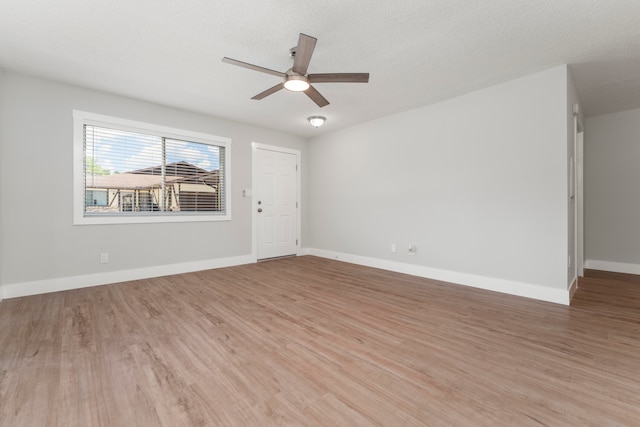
pixel 254 217
pixel 580 200
pixel 577 179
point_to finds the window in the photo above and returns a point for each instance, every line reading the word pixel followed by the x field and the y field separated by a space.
pixel 127 171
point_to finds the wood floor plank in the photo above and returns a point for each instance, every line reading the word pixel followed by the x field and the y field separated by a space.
pixel 313 342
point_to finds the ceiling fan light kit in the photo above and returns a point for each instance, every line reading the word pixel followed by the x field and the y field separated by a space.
pixel 296 78
pixel 296 83
pixel 317 121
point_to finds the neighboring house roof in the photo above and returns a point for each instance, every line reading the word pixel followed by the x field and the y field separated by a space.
pixel 180 172
pixel 176 169
pixel 127 181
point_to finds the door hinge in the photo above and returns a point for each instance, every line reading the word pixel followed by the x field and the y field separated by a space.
pixel 296 242
pixel 296 167
pixel 296 205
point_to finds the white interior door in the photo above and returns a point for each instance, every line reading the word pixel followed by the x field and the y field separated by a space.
pixel 275 202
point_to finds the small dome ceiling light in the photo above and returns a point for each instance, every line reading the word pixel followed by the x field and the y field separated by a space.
pixel 317 121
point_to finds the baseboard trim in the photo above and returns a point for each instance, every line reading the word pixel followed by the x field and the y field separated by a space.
pixel 543 293
pixel 22 289
pixel 573 288
pixel 616 267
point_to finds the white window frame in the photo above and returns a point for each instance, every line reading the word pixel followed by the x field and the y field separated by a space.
pixel 81 118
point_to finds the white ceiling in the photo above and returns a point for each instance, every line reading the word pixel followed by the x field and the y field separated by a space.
pixel 417 51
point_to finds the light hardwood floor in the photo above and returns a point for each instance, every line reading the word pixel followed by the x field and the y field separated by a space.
pixel 313 342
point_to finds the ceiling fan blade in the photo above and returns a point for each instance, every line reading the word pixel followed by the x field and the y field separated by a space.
pixel 304 50
pixel 253 67
pixel 269 91
pixel 316 97
pixel 339 78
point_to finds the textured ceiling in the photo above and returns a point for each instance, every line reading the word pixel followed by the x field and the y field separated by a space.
pixel 418 52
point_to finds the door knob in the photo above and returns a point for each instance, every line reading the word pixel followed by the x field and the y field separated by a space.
pixel 259 209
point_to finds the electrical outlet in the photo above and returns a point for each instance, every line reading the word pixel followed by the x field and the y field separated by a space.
pixel 104 258
pixel 393 248
pixel 413 249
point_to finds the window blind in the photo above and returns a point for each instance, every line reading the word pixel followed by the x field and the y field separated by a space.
pixel 133 173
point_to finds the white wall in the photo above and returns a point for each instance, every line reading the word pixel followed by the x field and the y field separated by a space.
pixel 478 183
pixel 1 174
pixel 612 192
pixel 41 248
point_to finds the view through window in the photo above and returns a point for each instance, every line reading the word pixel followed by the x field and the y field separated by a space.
pixel 131 172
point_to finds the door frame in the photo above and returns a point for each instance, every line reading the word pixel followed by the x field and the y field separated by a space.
pixel 254 173
pixel 579 205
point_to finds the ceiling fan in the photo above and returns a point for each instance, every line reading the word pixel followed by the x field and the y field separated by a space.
pixel 296 78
